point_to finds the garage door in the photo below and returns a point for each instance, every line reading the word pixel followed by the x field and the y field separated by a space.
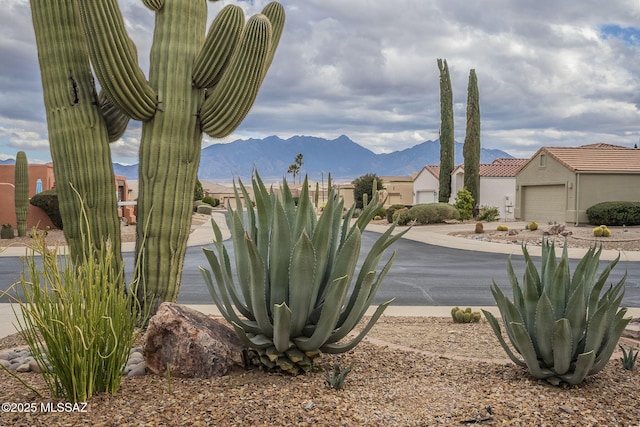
pixel 426 196
pixel 544 203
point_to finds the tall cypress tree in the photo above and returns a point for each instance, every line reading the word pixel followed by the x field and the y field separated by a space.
pixel 471 150
pixel 446 132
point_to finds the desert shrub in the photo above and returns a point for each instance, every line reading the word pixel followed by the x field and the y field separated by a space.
pixel 391 210
pixel 464 204
pixel 204 209
pixel 502 228
pixel 614 213
pixel 401 216
pixel 488 213
pixel 196 203
pixel 432 213
pixel 211 201
pixel 48 201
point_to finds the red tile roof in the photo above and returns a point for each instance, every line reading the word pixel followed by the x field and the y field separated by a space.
pixel 596 158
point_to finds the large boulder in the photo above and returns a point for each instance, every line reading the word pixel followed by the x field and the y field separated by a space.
pixel 190 343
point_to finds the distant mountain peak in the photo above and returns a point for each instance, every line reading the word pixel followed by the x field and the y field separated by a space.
pixel 341 156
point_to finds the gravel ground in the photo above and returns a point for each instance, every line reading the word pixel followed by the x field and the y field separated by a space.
pixel 408 372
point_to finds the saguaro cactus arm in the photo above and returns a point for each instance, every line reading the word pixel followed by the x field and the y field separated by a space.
pixel 114 60
pixel 222 39
pixel 234 94
pixel 115 119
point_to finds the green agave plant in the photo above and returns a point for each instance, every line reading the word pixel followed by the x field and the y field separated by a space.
pixel 298 291
pixel 562 327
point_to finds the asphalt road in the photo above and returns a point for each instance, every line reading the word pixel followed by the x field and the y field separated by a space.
pixel 421 275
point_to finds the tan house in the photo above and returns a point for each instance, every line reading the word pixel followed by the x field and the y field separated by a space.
pixel 560 183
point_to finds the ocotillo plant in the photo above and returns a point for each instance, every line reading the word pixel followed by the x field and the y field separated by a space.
pixel 196 84
pixel 21 192
pixel 78 132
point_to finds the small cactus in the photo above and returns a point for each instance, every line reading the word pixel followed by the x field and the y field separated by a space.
pixel 602 231
pixel 479 228
pixel 502 228
pixel 7 232
pixel 532 226
pixel 465 316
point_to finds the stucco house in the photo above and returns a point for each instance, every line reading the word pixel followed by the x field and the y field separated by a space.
pixel 41 178
pixel 497 184
pixel 560 183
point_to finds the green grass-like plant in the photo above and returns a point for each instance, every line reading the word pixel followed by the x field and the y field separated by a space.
pixel 336 378
pixel 78 319
pixel 628 358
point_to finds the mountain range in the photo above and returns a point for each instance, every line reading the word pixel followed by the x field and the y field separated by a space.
pixel 342 157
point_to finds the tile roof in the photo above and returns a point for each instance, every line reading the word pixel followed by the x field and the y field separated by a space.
pixel 596 158
pixel 500 168
pixel 433 169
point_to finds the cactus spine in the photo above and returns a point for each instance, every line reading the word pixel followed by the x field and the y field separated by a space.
pixel 21 194
pixel 197 83
pixel 78 133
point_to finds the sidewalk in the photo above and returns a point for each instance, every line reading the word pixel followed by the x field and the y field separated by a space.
pixel 432 234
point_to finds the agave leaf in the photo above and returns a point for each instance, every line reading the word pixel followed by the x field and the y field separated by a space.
pixel 322 241
pixel 508 311
pixel 528 351
pixel 347 257
pixel 584 363
pixel 595 330
pixel 258 288
pixel 253 341
pixel 496 329
pixel 279 257
pixel 302 270
pixel 264 214
pixel 603 356
pixel 342 347
pixel 531 285
pixel 222 300
pixel 518 298
pixel 549 262
pixel 329 315
pixel 281 327
pixel 562 347
pixel 359 309
pixel 585 270
pixel 594 294
pixel 250 227
pixel 575 313
pixel 305 218
pixel 241 253
pixel 544 330
pixel 352 315
pixel 530 272
pixel 558 287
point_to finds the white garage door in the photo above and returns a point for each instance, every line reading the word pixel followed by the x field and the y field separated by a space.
pixel 426 196
pixel 544 203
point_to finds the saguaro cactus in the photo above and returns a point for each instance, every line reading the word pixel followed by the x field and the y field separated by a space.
pixel 21 193
pixel 197 83
pixel 78 131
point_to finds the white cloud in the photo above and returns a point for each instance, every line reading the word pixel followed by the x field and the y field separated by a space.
pixel 549 73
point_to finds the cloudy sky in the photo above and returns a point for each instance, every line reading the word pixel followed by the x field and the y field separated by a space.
pixel 550 73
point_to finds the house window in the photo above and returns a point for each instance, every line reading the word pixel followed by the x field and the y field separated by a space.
pixel 543 160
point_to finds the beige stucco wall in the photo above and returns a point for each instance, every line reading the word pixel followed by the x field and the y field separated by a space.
pixel 547 172
pixel 598 187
